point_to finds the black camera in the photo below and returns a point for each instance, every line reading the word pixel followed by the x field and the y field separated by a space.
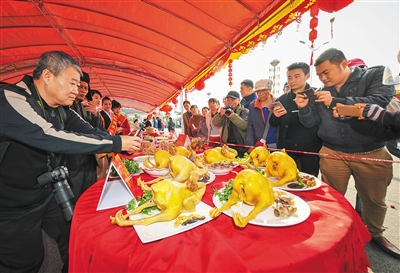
pixel 61 189
pixel 228 110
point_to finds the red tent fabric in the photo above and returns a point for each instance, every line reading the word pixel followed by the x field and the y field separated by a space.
pixel 139 52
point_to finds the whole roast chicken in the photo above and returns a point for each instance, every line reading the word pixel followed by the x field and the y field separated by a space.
pixel 258 156
pixel 220 154
pixel 281 166
pixel 171 197
pixel 252 188
pixel 161 159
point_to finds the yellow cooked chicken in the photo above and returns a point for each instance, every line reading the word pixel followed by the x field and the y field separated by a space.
pixel 161 159
pixel 171 197
pixel 219 154
pixel 252 188
pixel 181 169
pixel 258 156
pixel 281 166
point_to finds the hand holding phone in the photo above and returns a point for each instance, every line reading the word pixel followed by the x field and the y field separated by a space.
pixel 350 110
pixel 308 93
pixel 278 105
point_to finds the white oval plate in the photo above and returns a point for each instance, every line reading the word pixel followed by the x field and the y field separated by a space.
pixel 220 171
pixel 154 172
pixel 267 218
pixel 212 178
pixel 285 188
pixel 141 158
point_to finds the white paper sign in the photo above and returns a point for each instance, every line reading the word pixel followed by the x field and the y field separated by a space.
pixel 115 192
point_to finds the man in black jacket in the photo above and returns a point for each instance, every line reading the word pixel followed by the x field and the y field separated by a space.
pixel 350 86
pixel 37 127
pixel 293 135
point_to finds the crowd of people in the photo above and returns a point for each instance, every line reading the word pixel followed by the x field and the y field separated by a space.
pixel 51 120
pixel 309 126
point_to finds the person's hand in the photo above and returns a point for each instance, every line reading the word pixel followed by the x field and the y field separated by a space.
pixel 325 97
pixel 91 107
pixel 301 101
pixel 231 115
pixel 279 111
pixel 335 113
pixel 131 144
pixel 119 130
pixel 222 111
pixel 372 111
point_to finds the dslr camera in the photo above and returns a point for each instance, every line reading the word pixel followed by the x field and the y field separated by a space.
pixel 228 110
pixel 61 189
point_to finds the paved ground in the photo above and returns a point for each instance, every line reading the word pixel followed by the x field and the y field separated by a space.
pixel 380 261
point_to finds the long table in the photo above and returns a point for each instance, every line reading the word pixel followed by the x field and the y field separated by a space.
pixel 332 239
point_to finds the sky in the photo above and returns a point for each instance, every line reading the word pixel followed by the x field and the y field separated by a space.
pixel 369 30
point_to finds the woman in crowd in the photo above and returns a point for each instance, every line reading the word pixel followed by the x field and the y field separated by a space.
pixel 194 121
pixel 202 130
pixel 122 126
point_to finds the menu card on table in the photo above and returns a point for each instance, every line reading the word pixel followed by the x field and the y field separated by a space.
pixel 183 140
pixel 116 192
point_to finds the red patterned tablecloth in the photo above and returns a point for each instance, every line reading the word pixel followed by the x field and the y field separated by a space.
pixel 332 239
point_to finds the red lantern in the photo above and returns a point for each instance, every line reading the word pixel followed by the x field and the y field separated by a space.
pixel 174 100
pixel 333 5
pixel 313 35
pixel 314 10
pixel 199 85
pixel 166 108
pixel 314 22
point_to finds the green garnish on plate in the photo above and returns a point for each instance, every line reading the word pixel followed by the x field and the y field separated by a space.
pixel 226 192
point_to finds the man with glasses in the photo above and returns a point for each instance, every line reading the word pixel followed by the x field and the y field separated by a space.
pixel 259 130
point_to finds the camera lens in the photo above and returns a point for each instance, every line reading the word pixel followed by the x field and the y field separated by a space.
pixel 228 112
pixel 65 198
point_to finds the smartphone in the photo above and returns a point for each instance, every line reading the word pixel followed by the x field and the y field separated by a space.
pixel 308 93
pixel 349 110
pixel 278 105
pixel 141 128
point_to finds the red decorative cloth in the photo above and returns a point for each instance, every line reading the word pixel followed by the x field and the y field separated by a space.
pixel 332 239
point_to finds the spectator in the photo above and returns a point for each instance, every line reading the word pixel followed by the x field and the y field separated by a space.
pixel 202 130
pixel 171 124
pixel 155 123
pixel 259 130
pixel 286 88
pixel 186 116
pixel 147 123
pixel 194 121
pixel 82 168
pixel 106 112
pixel 342 85
pixel 248 95
pixel 123 127
pixel 160 124
pixel 293 135
pixel 233 122
pixel 34 137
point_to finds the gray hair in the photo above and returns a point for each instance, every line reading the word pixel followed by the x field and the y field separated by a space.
pixel 56 62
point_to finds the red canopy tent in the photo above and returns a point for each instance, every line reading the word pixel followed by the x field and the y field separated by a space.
pixel 140 52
